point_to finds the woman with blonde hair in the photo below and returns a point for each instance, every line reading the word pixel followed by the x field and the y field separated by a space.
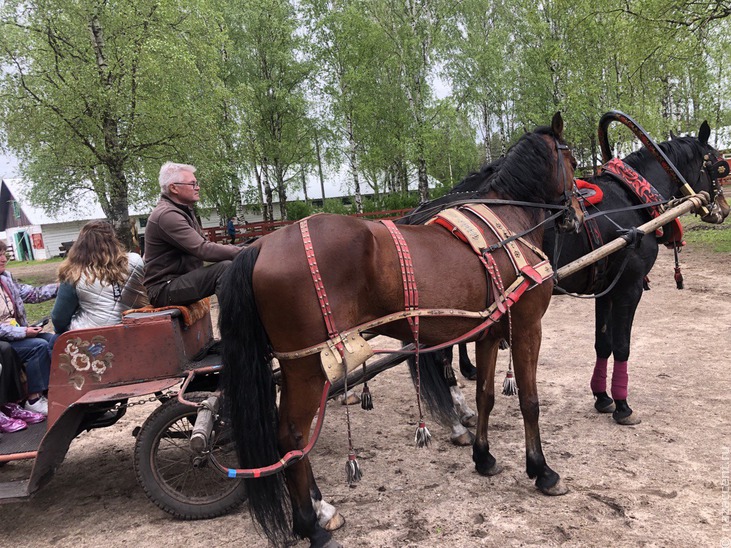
pixel 98 280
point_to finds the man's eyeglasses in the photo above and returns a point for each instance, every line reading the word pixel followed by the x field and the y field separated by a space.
pixel 196 184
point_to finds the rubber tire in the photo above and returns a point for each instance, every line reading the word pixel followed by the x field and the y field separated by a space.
pixel 173 501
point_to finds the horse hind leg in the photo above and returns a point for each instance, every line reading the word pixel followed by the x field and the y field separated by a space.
pixel 468 370
pixel 603 403
pixel 623 313
pixel 301 392
pixel 467 416
pixel 486 356
pixel 460 435
pixel 328 516
pixel 464 416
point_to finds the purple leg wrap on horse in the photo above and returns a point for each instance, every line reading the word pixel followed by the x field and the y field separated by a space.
pixel 599 378
pixel 619 381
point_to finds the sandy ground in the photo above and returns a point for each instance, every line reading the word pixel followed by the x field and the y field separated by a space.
pixel 664 482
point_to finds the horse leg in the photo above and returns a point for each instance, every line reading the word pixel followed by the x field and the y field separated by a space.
pixel 623 314
pixel 467 417
pixel 459 435
pixel 297 409
pixel 486 357
pixel 468 370
pixel 525 357
pixel 603 347
pixel 327 515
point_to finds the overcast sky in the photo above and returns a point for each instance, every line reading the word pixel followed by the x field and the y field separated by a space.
pixel 8 166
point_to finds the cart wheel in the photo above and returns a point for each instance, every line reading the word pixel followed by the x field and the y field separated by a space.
pixel 178 480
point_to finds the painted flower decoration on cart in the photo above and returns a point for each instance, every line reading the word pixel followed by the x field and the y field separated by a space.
pixel 81 358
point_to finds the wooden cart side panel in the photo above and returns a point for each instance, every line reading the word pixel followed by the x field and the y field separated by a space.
pixel 87 360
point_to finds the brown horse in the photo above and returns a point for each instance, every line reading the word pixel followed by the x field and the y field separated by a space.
pixel 304 285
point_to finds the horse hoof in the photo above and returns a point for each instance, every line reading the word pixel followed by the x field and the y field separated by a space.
pixel 335 523
pixel 494 470
pixel 556 489
pixel 351 398
pixel 629 420
pixel 603 403
pixel 470 421
pixel 463 440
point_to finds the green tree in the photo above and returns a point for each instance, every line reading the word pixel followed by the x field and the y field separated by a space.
pixel 95 95
pixel 268 61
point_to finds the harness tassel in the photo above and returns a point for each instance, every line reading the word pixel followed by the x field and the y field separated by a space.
pixel 510 387
pixel 352 470
pixel 366 401
pixel 422 437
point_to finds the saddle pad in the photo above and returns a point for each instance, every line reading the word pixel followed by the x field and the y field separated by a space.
pixel 589 193
pixel 191 313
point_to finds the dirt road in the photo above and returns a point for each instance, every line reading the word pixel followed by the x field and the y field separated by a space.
pixel 661 483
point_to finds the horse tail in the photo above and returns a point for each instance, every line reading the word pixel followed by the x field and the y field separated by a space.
pixel 250 396
pixel 436 377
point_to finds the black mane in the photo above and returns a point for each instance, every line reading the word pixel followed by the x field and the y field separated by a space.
pixel 680 151
pixel 519 175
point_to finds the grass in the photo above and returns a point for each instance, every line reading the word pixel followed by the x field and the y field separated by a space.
pixel 35 312
pixel 54 260
pixel 36 273
pixel 716 238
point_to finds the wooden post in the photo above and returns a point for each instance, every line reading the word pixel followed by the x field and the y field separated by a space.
pixel 693 202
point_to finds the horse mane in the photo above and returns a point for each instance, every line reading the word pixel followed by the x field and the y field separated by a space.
pixel 680 151
pixel 511 176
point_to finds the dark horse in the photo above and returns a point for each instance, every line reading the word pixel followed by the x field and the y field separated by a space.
pixel 626 270
pixel 308 283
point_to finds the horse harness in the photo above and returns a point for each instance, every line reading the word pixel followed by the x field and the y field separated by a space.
pixel 647 197
pixel 345 350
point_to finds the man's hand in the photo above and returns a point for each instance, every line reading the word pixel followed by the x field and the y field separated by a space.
pixel 32 331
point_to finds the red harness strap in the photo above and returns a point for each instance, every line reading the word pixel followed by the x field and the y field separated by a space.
pixel 411 295
pixel 327 314
pixel 672 233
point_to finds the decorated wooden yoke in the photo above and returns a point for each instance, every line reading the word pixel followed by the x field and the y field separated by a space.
pixel 346 350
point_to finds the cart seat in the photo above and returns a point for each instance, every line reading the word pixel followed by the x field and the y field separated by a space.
pixel 190 314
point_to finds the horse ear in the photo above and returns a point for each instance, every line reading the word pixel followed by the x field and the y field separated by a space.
pixel 557 125
pixel 672 135
pixel 704 133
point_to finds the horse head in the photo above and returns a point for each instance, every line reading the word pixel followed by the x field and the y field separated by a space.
pixel 713 169
pixel 567 195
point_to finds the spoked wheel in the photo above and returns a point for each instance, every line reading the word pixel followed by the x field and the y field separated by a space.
pixel 177 479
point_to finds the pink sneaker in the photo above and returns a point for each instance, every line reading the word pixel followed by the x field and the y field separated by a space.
pixel 9 425
pixel 15 411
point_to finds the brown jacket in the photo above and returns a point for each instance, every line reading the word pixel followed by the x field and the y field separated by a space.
pixel 174 245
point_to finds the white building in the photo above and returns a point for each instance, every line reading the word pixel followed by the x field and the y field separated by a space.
pixel 34 234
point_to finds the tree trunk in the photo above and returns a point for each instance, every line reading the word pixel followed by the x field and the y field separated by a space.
pixel 319 167
pixel 281 192
pixel 353 154
pixel 423 179
pixel 304 184
pixel 268 209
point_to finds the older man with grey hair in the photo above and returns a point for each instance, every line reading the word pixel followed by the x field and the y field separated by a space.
pixel 175 247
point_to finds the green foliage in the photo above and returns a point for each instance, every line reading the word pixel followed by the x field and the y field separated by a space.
pixel 389 201
pixel 95 96
pixel 298 210
pixel 334 205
